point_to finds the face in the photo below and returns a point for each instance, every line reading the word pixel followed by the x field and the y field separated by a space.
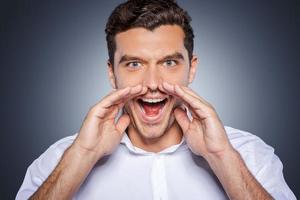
pixel 150 58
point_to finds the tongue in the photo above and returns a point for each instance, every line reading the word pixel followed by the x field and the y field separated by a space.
pixel 152 109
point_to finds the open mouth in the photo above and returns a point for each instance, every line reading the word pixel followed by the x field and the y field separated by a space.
pixel 152 109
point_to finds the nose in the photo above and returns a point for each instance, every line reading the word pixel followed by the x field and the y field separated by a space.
pixel 152 78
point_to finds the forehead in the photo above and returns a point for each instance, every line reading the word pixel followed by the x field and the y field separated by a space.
pixel 148 44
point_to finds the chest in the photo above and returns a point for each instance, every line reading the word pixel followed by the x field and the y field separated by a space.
pixel 157 177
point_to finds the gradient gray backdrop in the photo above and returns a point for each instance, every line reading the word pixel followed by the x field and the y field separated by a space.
pixel 53 68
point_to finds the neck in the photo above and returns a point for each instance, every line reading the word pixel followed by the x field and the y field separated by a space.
pixel 171 136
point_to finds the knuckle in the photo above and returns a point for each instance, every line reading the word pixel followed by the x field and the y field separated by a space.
pixel 92 109
pixel 211 109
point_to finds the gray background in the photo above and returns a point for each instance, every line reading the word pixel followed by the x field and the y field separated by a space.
pixel 53 56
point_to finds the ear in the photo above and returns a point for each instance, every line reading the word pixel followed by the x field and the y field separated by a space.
pixel 193 68
pixel 111 74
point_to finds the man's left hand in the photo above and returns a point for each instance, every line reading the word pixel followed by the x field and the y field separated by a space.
pixel 204 133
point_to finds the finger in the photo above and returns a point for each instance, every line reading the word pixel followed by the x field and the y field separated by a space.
pixel 115 96
pixel 112 112
pixel 182 119
pixel 134 94
pixel 122 123
pixel 188 90
pixel 193 93
pixel 135 91
pixel 191 111
pixel 200 108
pixel 194 103
pixel 170 88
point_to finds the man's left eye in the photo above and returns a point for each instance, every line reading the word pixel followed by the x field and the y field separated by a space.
pixel 170 63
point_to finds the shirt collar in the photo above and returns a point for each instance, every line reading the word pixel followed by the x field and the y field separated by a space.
pixel 177 147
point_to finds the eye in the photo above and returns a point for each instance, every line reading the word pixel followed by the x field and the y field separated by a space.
pixel 170 63
pixel 133 64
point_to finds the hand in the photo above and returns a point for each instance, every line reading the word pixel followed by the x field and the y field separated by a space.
pixel 206 136
pixel 204 133
pixel 100 134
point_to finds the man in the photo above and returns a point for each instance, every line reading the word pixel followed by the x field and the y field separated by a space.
pixel 153 137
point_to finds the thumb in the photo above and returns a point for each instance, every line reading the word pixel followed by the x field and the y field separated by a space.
pixel 122 123
pixel 182 119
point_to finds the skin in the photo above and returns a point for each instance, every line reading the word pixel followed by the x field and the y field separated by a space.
pixel 100 134
pixel 149 68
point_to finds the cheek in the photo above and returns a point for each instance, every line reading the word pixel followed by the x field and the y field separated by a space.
pixel 179 77
pixel 126 78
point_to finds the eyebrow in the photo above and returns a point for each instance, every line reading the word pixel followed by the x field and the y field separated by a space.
pixel 175 55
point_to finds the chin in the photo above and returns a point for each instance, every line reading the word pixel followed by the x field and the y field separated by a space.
pixel 149 131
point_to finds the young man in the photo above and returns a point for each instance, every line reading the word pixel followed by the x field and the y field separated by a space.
pixel 168 142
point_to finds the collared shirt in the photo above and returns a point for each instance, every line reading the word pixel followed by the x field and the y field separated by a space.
pixel 175 173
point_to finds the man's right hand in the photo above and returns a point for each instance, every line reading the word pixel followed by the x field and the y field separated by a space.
pixel 100 134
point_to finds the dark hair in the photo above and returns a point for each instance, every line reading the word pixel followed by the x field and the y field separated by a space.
pixel 148 14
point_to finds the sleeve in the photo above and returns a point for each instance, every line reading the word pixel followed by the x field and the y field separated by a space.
pixel 272 179
pixel 42 167
pixel 263 163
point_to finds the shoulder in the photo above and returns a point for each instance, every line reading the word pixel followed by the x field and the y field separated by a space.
pixel 62 144
pixel 245 141
pixel 42 167
pixel 262 162
pixel 49 159
pixel 252 148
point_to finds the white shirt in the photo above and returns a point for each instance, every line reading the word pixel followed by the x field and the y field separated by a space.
pixel 173 174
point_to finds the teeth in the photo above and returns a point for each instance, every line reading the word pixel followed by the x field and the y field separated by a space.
pixel 152 100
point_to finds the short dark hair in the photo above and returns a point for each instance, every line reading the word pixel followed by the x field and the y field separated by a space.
pixel 148 14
